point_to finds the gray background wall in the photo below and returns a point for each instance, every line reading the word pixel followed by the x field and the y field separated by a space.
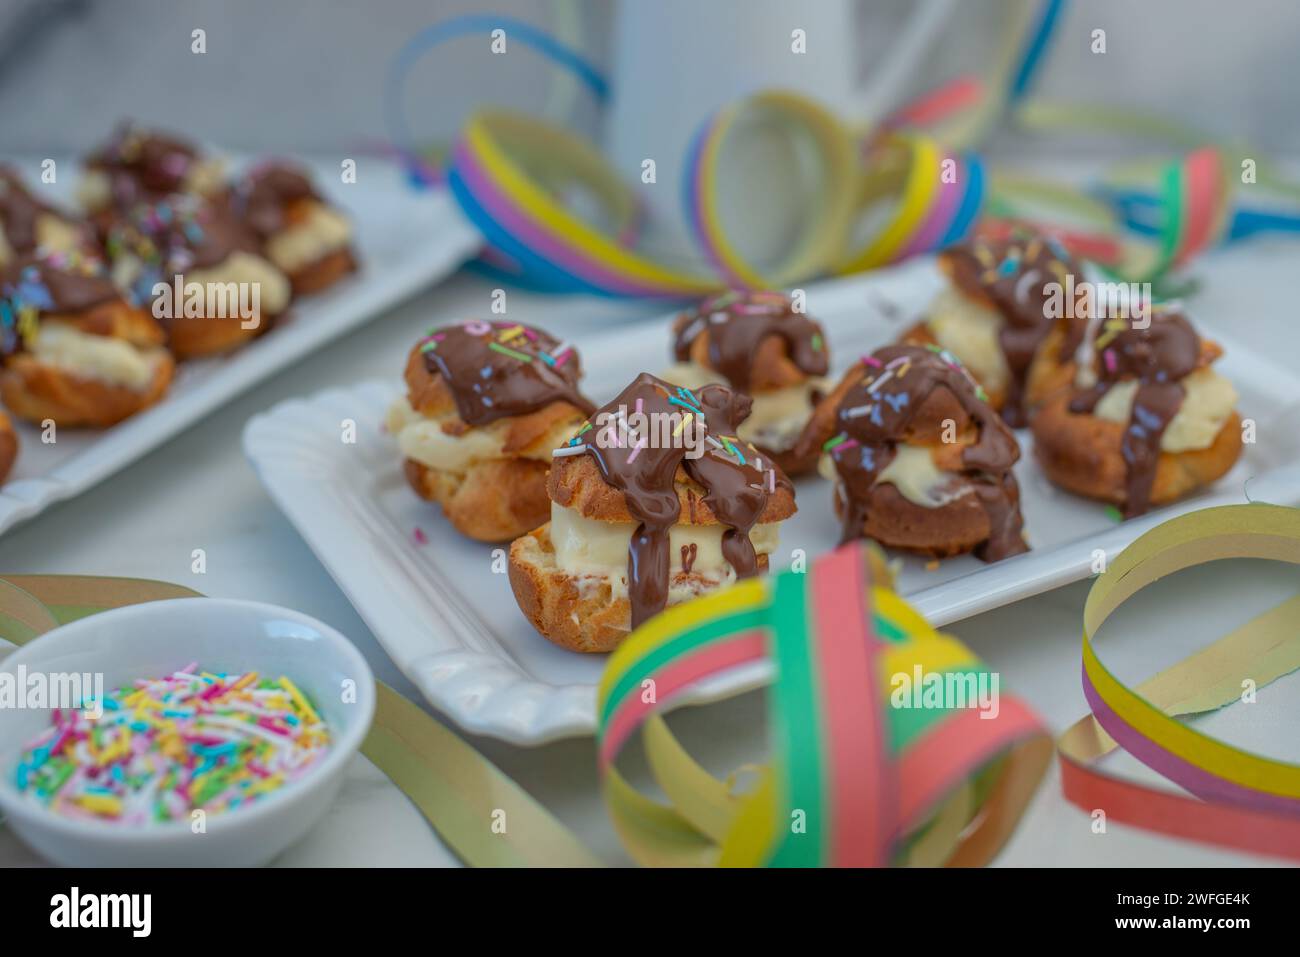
pixel 307 74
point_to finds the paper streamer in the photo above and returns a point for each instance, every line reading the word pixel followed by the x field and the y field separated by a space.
pixel 1235 799
pixel 915 180
pixel 456 789
pixel 510 173
pixel 854 780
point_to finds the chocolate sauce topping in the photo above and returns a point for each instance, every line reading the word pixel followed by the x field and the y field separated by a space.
pixel 263 196
pixel 175 235
pixel 32 287
pixel 142 165
pixel 737 480
pixel 1158 358
pixel 737 323
pixel 19 211
pixel 1013 274
pixel 877 413
pixel 499 369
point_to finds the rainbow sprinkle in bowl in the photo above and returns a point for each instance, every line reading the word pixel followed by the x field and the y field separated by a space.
pixel 167 763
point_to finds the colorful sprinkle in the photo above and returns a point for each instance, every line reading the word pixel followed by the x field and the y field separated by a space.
pixel 513 353
pixel 165 747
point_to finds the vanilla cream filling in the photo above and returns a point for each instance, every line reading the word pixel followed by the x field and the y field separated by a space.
pixel 246 268
pixel 1209 400
pixel 587 547
pixel 322 232
pixel 241 268
pixel 113 361
pixel 422 439
pixel 777 416
pixel 912 471
pixel 969 331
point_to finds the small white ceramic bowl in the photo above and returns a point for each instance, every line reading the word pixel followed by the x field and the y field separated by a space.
pixel 157 638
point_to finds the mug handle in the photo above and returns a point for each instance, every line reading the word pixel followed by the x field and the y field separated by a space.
pixel 885 88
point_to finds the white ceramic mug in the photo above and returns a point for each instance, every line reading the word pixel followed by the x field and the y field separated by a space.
pixel 675 62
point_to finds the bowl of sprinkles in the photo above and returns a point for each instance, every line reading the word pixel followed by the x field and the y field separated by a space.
pixel 162 748
pixel 193 732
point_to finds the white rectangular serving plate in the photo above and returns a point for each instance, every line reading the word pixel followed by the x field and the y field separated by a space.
pixel 405 241
pixel 444 610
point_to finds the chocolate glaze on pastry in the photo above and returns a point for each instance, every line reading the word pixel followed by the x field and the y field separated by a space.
pixel 1012 274
pixel 263 196
pixel 737 324
pixel 1158 358
pixel 19 211
pixel 500 369
pixel 33 286
pixel 174 235
pixel 875 415
pixel 737 480
pixel 142 165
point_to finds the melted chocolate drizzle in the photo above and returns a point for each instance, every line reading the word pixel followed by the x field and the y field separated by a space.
pixel 737 486
pixel 1158 358
pixel 737 324
pixel 262 198
pixel 19 211
pixel 1012 274
pixel 175 235
pixel 500 369
pixel 876 415
pixel 51 285
pixel 142 165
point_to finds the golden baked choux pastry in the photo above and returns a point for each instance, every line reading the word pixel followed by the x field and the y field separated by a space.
pixel 306 238
pixel 920 460
pixel 756 343
pixel 8 447
pixel 486 402
pixel 75 351
pixel 137 166
pixel 654 501
pixel 1144 419
pixel 996 314
pixel 199 271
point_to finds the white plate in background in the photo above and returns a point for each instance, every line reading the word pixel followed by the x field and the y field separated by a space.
pixel 444 610
pixel 405 241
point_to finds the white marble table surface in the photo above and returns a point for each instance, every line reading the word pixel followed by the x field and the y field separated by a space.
pixel 198 491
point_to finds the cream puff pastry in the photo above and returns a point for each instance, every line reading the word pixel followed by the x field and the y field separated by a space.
pixel 8 447
pixel 486 402
pixel 1145 419
pixel 306 238
pixel 199 271
pixel 654 501
pixel 920 461
pixel 137 166
pixel 756 343
pixel 996 314
pixel 74 350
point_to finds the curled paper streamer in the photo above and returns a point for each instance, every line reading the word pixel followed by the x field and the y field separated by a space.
pixel 855 778
pixel 1237 799
pixel 914 180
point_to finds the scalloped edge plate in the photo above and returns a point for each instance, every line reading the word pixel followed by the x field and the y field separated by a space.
pixel 451 625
